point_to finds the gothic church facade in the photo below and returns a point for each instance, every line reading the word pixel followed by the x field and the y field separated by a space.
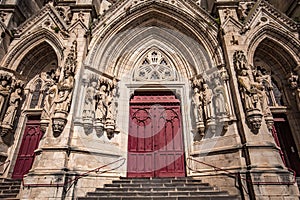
pixel 95 90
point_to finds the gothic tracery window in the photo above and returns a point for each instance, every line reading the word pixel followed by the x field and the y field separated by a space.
pixel 277 95
pixel 36 94
pixel 155 67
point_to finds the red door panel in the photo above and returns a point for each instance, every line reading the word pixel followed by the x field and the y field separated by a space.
pixel 155 146
pixel 284 136
pixel 30 141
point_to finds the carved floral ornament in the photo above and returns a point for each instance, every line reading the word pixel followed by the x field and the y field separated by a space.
pixel 253 92
pixel 210 104
pixel 155 67
pixel 11 90
pixel 100 106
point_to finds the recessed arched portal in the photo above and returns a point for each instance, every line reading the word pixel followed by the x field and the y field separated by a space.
pixel 155 49
pixel 278 65
pixel 36 66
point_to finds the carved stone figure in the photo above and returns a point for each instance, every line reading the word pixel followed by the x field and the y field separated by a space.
pixel 51 94
pixel 101 107
pixel 298 98
pixel 65 89
pixel 14 102
pixel 111 113
pixel 265 83
pixel 207 102
pixel 250 90
pixel 90 101
pixel 293 80
pixel 240 61
pixel 5 87
pixel 220 101
pixel 197 103
pixel 64 95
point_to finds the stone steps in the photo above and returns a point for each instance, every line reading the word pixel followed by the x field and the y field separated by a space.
pixel 157 188
pixel 9 189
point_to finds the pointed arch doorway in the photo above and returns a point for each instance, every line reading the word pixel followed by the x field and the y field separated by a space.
pixel 155 141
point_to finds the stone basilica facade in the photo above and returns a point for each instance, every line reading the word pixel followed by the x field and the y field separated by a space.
pixel 95 90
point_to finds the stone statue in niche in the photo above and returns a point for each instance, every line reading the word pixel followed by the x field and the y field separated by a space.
pixel 220 101
pixel 65 89
pixel 221 104
pixel 207 102
pixel 5 89
pixel 89 106
pixel 100 114
pixel 210 104
pixel 52 79
pixel 100 107
pixel 265 85
pixel 298 98
pixel 13 104
pixel 90 103
pixel 251 91
pixel 62 101
pixel 197 101
pixel 111 104
pixel 293 82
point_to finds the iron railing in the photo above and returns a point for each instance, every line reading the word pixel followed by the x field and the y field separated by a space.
pixel 77 177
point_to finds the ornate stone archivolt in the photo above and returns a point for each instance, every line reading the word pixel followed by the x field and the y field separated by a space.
pixel 253 93
pixel 210 104
pixel 11 90
pixel 100 103
pixel 155 67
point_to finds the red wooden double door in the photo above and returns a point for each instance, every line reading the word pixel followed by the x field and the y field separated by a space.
pixel 30 141
pixel 155 144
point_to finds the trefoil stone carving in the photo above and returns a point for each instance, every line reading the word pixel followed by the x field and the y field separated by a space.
pixel 155 67
pixel 100 103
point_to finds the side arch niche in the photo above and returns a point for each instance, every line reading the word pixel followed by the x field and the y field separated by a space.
pixel 277 71
pixel 37 69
